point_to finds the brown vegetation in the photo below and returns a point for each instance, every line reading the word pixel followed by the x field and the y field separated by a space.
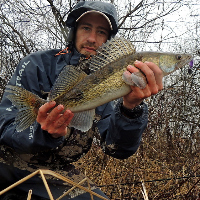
pixel 167 161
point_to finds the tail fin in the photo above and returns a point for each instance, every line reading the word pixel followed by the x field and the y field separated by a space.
pixel 27 104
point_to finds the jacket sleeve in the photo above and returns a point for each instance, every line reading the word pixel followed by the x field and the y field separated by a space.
pixel 120 136
pixel 31 75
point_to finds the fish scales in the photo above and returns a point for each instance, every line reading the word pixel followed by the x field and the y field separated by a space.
pixel 102 86
pixel 82 93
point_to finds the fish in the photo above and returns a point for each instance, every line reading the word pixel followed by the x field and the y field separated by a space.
pixel 81 92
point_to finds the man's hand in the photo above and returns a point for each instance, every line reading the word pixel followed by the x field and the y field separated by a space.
pixel 54 122
pixel 154 78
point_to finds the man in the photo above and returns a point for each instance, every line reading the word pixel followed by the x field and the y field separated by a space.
pixel 49 143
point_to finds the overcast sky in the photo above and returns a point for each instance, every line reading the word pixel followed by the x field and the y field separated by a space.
pixel 184 24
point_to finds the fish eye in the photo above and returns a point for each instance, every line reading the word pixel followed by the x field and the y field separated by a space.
pixel 178 57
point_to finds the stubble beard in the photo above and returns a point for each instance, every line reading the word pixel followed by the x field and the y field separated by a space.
pixel 87 53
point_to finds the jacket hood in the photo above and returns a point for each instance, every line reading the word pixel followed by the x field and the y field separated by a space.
pixel 85 6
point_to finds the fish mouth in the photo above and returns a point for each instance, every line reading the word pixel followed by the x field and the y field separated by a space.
pixel 187 59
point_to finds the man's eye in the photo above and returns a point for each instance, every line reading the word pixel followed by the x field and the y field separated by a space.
pixel 86 28
pixel 103 32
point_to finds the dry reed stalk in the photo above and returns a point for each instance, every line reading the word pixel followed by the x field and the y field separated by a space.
pixel 144 191
pixel 43 172
pixel 90 189
pixel 19 182
pixel 46 185
pixel 66 193
pixel 29 195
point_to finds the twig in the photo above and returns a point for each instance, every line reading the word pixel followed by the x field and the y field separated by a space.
pixel 29 195
pixel 46 185
pixel 71 189
pixel 42 172
pixel 90 189
pixel 19 182
pixel 144 191
pixel 49 172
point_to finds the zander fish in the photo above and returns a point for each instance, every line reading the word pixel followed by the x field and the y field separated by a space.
pixel 82 93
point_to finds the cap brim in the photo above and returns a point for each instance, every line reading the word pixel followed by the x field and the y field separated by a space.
pixel 95 11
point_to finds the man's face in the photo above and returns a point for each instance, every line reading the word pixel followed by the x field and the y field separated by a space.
pixel 92 31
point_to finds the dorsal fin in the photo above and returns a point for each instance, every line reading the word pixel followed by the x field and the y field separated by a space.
pixel 67 79
pixel 112 50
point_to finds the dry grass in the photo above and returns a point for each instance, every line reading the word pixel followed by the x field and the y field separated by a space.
pixel 161 172
pixel 167 161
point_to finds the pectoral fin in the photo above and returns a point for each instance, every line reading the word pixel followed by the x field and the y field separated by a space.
pixel 139 79
pixel 134 79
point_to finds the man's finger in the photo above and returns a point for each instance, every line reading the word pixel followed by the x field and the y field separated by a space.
pixel 64 119
pixel 132 69
pixel 44 109
pixel 158 74
pixel 153 75
pixel 54 114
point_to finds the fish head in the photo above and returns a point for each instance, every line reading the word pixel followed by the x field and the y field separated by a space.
pixel 170 62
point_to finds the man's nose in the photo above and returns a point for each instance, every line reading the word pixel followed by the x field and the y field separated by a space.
pixel 92 37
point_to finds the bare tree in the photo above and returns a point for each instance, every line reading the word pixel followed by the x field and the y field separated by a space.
pixel 28 26
pixel 171 139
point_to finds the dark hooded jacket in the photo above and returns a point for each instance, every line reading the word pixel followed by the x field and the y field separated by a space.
pixel 120 136
pixel 23 152
pixel 34 148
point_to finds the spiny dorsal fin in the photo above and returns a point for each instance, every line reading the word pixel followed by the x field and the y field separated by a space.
pixel 67 79
pixel 111 51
